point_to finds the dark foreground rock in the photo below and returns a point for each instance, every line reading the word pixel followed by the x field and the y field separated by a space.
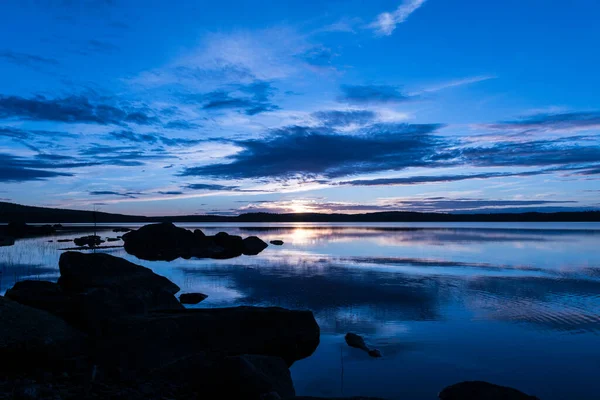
pixel 43 295
pixel 356 341
pixel 277 242
pixel 272 331
pixel 167 242
pixel 34 339
pixel 98 334
pixel 478 390
pixel 104 287
pixel 192 298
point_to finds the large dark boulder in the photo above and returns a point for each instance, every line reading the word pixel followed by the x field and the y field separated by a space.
pixel 162 241
pixel 253 245
pixel 478 390
pixel 32 339
pixel 43 295
pixel 167 242
pixel 103 287
pixel 277 242
pixel 80 271
pixel 157 339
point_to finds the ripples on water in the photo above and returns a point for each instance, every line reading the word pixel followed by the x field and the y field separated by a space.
pixel 515 304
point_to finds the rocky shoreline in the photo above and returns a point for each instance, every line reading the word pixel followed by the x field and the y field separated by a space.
pixel 113 329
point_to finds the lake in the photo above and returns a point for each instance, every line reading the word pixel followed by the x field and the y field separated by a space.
pixel 513 304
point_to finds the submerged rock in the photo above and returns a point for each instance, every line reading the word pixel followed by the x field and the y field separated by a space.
pixel 479 390
pixel 192 298
pixel 354 340
pixel 277 242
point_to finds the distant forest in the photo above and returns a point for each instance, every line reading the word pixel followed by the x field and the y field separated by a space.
pixel 10 212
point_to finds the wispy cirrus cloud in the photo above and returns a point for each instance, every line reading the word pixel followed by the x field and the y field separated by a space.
pixel 550 122
pixel 372 94
pixel 27 60
pixel 385 23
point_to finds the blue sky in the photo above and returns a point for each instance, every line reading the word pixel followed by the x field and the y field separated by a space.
pixel 196 107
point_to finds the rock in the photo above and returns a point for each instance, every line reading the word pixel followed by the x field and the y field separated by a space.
pixel 254 377
pixel 64 240
pixel 198 233
pixel 167 242
pixel 43 295
pixel 354 340
pixel 109 239
pixel 32 339
pixel 253 245
pixel 104 287
pixel 478 390
pixel 81 271
pixel 157 339
pixel 335 398
pixel 6 241
pixel 121 230
pixel 277 242
pixel 162 241
pixel 91 241
pixel 192 298
pixel 57 226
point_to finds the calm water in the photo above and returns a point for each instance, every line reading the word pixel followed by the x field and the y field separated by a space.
pixel 515 304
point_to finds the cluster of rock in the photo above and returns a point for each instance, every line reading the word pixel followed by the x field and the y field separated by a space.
pixel 356 341
pixel 167 242
pixel 112 326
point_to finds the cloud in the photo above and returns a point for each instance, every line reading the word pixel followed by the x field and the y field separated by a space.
pixel 152 138
pixel 456 83
pixel 309 152
pixel 319 56
pixel 432 204
pixel 557 122
pixel 27 60
pixel 131 195
pixel 130 136
pixel 206 186
pixel 337 118
pixel 169 192
pixel 369 94
pixel 386 22
pixel 253 98
pixel 181 124
pixel 415 180
pixel 563 151
pixel 17 169
pixel 72 109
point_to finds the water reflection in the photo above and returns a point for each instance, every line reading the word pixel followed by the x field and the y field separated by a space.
pixel 510 304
